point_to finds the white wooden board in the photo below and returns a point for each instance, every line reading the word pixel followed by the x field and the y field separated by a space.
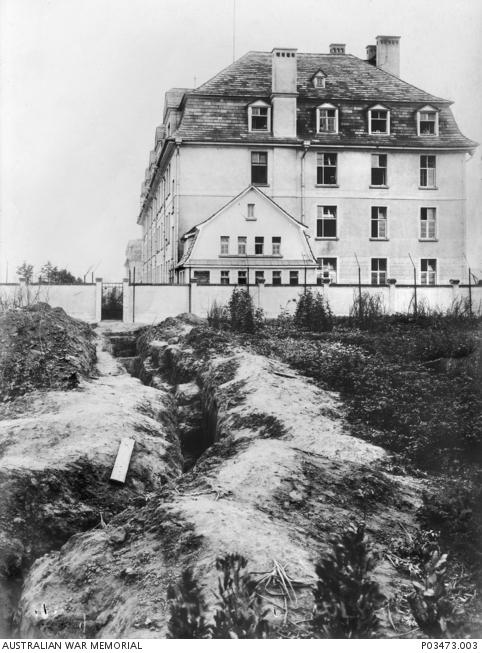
pixel 121 465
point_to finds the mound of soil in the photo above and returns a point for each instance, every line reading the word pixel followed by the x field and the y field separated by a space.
pixel 42 347
pixel 281 476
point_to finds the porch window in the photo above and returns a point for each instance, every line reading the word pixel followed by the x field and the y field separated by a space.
pixel 294 277
pixel 276 279
pixel 259 276
pixel 225 277
pixel 242 277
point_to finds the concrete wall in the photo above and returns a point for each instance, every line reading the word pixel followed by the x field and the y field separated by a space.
pixel 80 301
pixel 156 302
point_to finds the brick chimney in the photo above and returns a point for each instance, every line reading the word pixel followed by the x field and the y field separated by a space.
pixel 337 48
pixel 388 54
pixel 283 92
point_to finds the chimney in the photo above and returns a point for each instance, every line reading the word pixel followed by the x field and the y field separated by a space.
pixel 372 54
pixel 337 48
pixel 388 54
pixel 283 93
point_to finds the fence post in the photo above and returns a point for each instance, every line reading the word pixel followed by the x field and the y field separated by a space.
pixel 392 289
pixel 126 300
pixel 455 290
pixel 98 299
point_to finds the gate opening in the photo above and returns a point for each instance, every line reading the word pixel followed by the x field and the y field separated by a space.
pixel 112 301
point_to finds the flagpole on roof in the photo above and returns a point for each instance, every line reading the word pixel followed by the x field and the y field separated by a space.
pixel 234 30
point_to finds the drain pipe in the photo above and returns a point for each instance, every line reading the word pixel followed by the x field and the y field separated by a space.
pixel 306 147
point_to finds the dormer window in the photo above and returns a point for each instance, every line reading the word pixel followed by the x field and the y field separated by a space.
pixel 427 121
pixel 259 117
pixel 327 118
pixel 319 79
pixel 378 120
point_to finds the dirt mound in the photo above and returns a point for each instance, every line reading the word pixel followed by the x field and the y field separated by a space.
pixel 281 476
pixel 57 450
pixel 42 347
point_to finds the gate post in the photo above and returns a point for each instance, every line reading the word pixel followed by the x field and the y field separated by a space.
pixel 98 299
pixel 126 301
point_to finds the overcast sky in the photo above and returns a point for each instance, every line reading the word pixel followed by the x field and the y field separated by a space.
pixel 83 85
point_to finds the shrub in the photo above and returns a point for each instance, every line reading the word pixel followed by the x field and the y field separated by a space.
pixel 240 613
pixel 313 312
pixel 243 316
pixel 346 600
pixel 218 317
pixel 367 310
pixel 187 607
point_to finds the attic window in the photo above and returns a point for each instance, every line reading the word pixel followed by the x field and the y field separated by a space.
pixel 427 121
pixel 378 120
pixel 259 117
pixel 327 118
pixel 319 80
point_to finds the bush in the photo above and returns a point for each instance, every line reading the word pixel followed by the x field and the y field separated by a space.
pixel 218 316
pixel 243 316
pixel 346 600
pixel 313 312
pixel 367 310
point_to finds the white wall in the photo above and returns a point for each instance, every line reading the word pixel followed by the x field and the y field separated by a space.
pixel 78 301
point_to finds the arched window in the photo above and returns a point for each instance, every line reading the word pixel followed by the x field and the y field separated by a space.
pixel 259 117
pixel 327 118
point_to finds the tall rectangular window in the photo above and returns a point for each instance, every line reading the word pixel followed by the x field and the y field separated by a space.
pixel 259 245
pixel 326 222
pixel 242 277
pixel 326 164
pixel 250 210
pixel 259 276
pixel 379 170
pixel 242 245
pixel 427 171
pixel 276 245
pixel 379 222
pixel 293 277
pixel 225 277
pixel 224 245
pixel 276 278
pixel 259 168
pixel 428 223
pixel 379 271
pixel 428 269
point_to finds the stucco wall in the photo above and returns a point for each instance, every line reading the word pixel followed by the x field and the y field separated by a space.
pixel 78 301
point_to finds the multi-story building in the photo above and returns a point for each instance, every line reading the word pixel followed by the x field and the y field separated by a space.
pixel 290 167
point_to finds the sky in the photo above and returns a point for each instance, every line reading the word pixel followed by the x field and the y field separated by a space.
pixel 82 91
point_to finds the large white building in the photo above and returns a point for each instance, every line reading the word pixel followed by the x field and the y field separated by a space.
pixel 290 167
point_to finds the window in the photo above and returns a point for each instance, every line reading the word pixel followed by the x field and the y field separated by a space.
pixel 242 245
pixel 327 118
pixel 326 169
pixel 259 245
pixel 319 80
pixel 427 171
pixel 428 267
pixel 259 118
pixel 276 244
pixel 224 245
pixel 276 277
pixel 251 211
pixel 327 268
pixel 242 277
pixel 293 277
pixel 378 120
pixel 379 271
pixel 259 276
pixel 225 277
pixel 326 222
pixel 259 167
pixel 427 121
pixel 379 222
pixel 428 223
pixel 379 170
pixel 202 277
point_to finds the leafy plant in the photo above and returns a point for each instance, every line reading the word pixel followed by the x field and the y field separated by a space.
pixel 240 612
pixel 313 312
pixel 367 310
pixel 243 316
pixel 346 599
pixel 187 608
pixel 25 271
pixel 218 316
pixel 432 607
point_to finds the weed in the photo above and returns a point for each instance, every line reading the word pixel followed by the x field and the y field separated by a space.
pixel 346 600
pixel 367 310
pixel 187 607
